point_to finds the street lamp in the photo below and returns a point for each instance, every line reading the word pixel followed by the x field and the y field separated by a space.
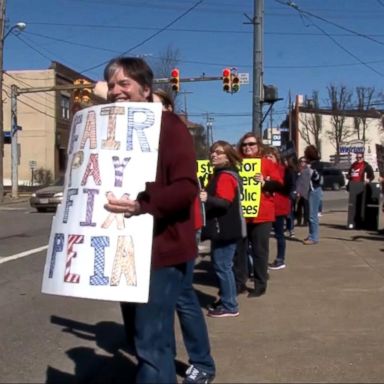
pixel 20 26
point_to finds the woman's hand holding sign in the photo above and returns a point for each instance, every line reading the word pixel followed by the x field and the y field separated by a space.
pixel 122 205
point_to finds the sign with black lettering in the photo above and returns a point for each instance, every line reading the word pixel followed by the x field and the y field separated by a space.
pixel 250 198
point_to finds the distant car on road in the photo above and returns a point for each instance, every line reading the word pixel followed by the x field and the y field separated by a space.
pixel 333 178
pixel 48 198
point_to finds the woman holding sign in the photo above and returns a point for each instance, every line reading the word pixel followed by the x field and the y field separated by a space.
pixel 259 226
pixel 225 224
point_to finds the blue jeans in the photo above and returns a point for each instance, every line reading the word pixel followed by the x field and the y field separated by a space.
pixel 153 326
pixel 314 200
pixel 222 258
pixel 278 225
pixel 193 326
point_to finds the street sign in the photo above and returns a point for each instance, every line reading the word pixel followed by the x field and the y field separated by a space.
pixel 32 164
pixel 244 78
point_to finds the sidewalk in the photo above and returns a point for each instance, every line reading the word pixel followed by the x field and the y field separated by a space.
pixel 7 199
pixel 321 320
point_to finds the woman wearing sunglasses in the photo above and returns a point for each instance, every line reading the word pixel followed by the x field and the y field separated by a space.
pixel 259 227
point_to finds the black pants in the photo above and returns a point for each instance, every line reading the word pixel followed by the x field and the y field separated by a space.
pixel 258 236
pixel 240 263
pixel 302 211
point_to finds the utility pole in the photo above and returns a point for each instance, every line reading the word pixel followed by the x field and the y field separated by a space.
pixel 257 105
pixel 209 125
pixel 14 144
pixel 2 27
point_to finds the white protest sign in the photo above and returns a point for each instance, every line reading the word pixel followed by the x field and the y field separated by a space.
pixel 93 253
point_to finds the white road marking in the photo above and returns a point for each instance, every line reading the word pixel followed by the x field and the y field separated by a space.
pixel 22 254
pixel 12 209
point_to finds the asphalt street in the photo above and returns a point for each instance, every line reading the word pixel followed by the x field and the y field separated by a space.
pixel 321 319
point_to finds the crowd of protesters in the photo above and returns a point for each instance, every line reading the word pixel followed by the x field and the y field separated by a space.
pixel 183 210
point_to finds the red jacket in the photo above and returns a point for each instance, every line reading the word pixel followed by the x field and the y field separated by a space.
pixel 270 171
pixel 171 197
pixel 282 201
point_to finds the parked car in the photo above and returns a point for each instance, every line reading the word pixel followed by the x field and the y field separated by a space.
pixel 48 198
pixel 333 178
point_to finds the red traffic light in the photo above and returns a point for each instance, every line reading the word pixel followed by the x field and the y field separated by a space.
pixel 226 72
pixel 226 80
pixel 175 80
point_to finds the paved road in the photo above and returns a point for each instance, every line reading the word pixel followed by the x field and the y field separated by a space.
pixel 320 321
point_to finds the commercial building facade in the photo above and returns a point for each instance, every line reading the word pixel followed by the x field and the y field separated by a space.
pixel 43 119
pixel 355 131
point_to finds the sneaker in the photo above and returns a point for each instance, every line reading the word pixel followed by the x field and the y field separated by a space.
pixel 257 292
pixel 277 265
pixel 309 242
pixel 319 214
pixel 222 312
pixel 214 305
pixel 291 234
pixel 195 375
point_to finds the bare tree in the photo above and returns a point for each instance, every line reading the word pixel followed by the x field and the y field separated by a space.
pixel 340 101
pixel 167 60
pixel 364 103
pixel 311 122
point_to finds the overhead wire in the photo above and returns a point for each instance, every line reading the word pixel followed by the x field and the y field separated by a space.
pixel 305 15
pixel 149 37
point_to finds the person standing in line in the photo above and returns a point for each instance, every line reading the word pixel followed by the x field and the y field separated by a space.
pixel 225 224
pixel 259 227
pixel 170 199
pixel 292 166
pixel 302 191
pixel 192 322
pixel 282 205
pixel 360 170
pixel 315 194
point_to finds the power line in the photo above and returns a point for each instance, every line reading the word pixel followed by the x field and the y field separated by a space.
pixel 307 13
pixel 150 37
pixel 347 51
pixel 189 30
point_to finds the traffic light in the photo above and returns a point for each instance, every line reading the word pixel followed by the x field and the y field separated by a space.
pixel 77 91
pixel 235 82
pixel 175 80
pixel 82 95
pixel 227 81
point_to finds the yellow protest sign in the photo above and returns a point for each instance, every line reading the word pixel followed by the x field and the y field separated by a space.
pixel 250 197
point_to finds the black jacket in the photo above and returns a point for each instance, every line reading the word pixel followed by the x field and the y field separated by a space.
pixel 224 219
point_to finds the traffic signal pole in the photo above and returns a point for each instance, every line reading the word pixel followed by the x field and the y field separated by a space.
pixel 257 105
pixel 16 91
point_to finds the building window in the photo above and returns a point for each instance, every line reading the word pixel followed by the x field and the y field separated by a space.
pixel 64 104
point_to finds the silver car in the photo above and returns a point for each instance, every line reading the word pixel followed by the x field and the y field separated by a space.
pixel 48 198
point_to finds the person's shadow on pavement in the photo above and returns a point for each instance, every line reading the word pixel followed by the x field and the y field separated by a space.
pixel 90 365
